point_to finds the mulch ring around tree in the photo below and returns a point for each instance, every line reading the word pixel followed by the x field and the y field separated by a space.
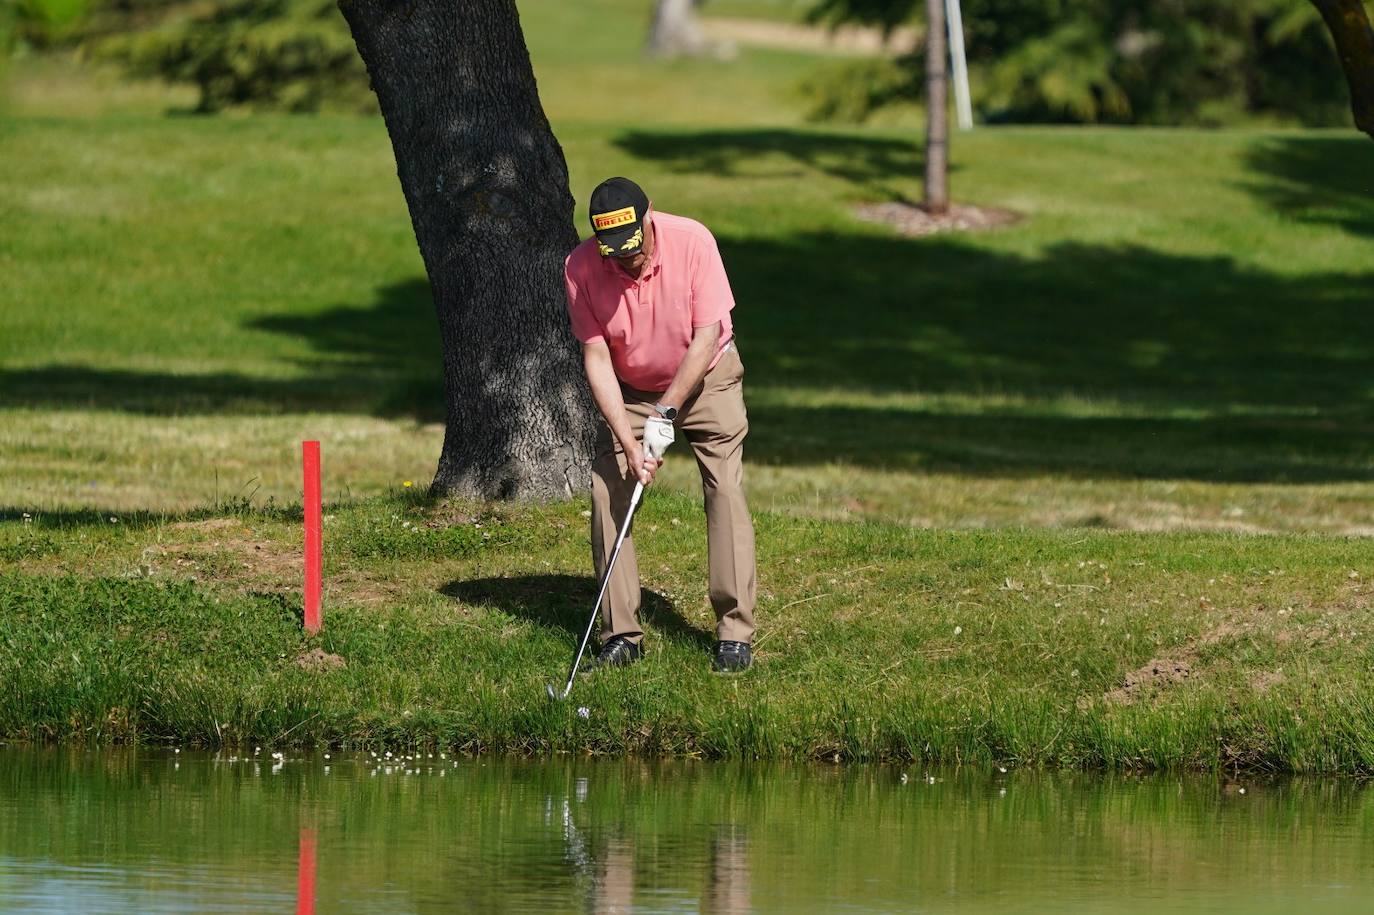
pixel 913 221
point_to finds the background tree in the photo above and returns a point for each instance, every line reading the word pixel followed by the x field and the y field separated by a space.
pixel 675 30
pixel 487 188
pixel 937 111
pixel 1349 24
pixel 286 55
pixel 1175 62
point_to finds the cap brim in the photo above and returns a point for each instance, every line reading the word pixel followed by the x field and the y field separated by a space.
pixel 621 243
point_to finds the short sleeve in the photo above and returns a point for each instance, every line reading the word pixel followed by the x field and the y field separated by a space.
pixel 584 324
pixel 712 300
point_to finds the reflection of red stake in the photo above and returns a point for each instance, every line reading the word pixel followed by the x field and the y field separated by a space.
pixel 305 874
pixel 310 459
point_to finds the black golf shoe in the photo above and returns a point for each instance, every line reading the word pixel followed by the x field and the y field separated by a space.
pixel 733 657
pixel 618 652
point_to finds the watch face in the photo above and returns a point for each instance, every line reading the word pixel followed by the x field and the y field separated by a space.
pixel 670 413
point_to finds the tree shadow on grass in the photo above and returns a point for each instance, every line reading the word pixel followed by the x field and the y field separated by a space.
pixel 1180 366
pixel 1084 360
pixel 1318 179
pixel 383 359
pixel 1248 449
pixel 866 162
pixel 565 601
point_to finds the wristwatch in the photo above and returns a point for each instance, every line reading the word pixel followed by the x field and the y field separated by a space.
pixel 668 413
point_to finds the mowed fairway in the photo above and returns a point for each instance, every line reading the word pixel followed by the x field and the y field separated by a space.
pixel 1176 340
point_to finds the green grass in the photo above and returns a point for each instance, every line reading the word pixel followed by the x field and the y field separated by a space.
pixel 878 641
pixel 1173 343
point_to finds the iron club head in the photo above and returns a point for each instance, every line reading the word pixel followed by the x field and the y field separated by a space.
pixel 553 693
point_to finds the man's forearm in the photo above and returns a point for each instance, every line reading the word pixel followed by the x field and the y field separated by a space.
pixel 606 391
pixel 693 366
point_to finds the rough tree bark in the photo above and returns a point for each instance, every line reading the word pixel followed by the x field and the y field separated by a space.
pixel 937 111
pixel 1349 25
pixel 674 30
pixel 487 188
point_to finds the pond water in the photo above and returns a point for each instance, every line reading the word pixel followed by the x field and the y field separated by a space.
pixel 157 831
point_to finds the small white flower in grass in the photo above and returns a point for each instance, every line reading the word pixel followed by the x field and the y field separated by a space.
pixel 1002 769
pixel 584 712
pixel 1242 791
pixel 585 513
pixel 904 779
pixel 388 754
pixel 958 630
pixel 326 756
pixel 114 520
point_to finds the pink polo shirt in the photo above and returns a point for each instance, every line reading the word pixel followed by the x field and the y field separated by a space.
pixel 647 323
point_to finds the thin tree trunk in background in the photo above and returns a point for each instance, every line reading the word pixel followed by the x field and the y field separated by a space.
pixel 1349 25
pixel 487 188
pixel 674 30
pixel 937 111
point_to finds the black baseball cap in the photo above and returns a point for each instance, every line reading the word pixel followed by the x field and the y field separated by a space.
pixel 617 211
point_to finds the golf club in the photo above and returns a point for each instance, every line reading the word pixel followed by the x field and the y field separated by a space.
pixel 605 580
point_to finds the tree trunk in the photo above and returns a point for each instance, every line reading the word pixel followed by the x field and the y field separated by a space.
pixel 675 31
pixel 937 111
pixel 487 188
pixel 1349 26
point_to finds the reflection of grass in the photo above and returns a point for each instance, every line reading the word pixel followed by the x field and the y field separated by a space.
pixel 973 646
pixel 578 834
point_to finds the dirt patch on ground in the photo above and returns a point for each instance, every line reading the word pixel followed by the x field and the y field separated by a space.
pixel 234 558
pixel 914 222
pixel 354 587
pixel 1158 674
pixel 209 525
pixel 319 659
pixel 849 40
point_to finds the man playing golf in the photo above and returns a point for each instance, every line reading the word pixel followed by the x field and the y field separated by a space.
pixel 650 303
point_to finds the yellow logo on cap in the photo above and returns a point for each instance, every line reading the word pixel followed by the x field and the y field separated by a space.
pixel 622 217
pixel 634 240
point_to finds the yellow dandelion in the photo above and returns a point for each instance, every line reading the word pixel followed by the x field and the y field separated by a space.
pixel 407 484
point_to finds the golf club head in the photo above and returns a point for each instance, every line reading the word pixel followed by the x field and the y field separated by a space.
pixel 553 693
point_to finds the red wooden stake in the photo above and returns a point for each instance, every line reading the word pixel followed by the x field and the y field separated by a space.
pixel 305 873
pixel 310 459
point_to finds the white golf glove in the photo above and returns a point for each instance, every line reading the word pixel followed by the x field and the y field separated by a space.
pixel 658 435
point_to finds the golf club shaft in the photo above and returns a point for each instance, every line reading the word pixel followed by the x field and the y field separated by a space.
pixel 605 581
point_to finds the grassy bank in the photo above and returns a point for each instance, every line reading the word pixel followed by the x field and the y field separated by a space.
pixel 878 641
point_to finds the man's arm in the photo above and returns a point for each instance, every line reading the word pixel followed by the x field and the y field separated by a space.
pixel 596 362
pixel 693 366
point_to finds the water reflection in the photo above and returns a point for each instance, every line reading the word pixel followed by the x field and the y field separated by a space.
pixel 139 832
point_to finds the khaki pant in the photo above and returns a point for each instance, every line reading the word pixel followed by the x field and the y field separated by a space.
pixel 714 423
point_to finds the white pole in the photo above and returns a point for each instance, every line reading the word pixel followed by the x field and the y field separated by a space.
pixel 955 18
